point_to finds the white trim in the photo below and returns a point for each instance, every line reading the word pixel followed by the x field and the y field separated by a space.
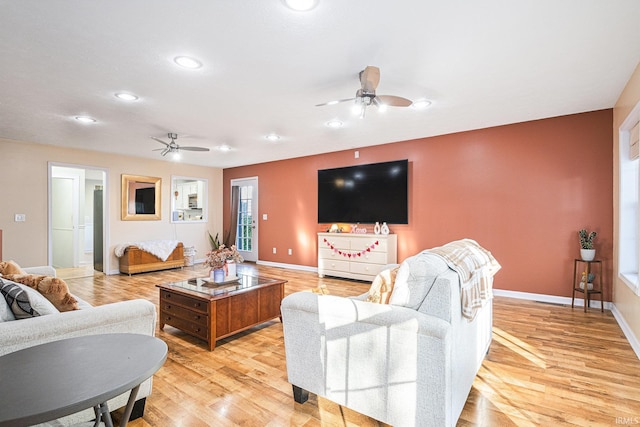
pixel 289 266
pixel 626 330
pixel 553 299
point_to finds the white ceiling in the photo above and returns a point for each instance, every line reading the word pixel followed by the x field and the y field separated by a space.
pixel 483 63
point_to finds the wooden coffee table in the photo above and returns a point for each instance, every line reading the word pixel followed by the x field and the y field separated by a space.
pixel 213 311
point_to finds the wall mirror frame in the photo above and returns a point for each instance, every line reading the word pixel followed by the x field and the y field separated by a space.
pixel 141 198
pixel 189 199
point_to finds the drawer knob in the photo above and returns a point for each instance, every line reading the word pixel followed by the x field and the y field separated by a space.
pixel 167 307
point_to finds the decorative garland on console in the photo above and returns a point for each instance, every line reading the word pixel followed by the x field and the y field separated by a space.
pixel 350 254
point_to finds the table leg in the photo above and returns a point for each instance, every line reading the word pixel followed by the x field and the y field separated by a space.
pixel 129 407
pixel 102 412
pixel 586 288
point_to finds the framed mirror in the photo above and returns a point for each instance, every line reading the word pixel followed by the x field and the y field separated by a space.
pixel 141 198
pixel 188 199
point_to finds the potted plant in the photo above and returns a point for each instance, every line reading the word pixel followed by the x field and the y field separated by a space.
pixel 222 262
pixel 587 252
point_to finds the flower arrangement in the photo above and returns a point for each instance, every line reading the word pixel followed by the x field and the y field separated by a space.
pixel 218 257
pixel 586 239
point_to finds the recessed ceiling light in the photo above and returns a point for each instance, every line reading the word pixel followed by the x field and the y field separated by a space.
pixel 187 62
pixel 421 104
pixel 85 119
pixel 335 124
pixel 126 96
pixel 301 5
pixel 273 137
pixel 224 147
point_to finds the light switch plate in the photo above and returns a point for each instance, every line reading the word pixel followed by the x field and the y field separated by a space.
pixel 20 217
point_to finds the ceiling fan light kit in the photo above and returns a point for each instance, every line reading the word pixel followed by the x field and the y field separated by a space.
pixel 173 148
pixel 366 95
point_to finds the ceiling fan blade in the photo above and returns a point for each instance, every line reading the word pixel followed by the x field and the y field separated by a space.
pixel 394 101
pixel 369 79
pixel 159 140
pixel 165 151
pixel 335 102
pixel 193 148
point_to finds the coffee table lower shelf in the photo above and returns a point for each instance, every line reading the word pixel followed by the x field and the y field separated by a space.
pixel 213 317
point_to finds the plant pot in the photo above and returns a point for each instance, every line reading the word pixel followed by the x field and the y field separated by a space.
pixel 589 285
pixel 217 274
pixel 588 254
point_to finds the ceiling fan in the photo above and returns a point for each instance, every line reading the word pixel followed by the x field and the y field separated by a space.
pixel 366 95
pixel 172 147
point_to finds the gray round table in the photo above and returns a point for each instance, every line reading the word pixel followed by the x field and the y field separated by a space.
pixel 52 380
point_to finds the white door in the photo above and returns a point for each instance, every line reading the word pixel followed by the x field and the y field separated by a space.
pixel 247 230
pixel 64 222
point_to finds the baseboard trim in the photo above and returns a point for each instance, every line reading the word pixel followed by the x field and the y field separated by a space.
pixel 552 299
pixel 626 330
pixel 289 266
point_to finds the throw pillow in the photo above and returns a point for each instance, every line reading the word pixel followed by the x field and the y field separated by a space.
pixel 10 267
pixel 382 286
pixel 17 300
pixel 53 289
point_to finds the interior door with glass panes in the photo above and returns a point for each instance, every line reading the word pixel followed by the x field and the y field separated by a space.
pixel 247 227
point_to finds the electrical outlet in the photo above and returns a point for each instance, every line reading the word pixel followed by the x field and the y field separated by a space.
pixel 290 252
pixel 20 217
pixel 274 250
pixel 356 154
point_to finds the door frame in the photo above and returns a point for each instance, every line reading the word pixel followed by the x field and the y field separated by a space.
pixel 105 216
pixel 256 233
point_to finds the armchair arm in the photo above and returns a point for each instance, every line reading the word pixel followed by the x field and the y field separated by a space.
pixel 43 270
pixel 389 362
pixel 135 316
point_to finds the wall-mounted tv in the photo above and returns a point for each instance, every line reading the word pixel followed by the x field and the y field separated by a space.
pixel 376 192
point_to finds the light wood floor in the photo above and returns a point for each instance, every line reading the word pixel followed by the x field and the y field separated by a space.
pixel 548 365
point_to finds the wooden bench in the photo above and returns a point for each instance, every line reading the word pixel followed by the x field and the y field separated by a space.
pixel 135 260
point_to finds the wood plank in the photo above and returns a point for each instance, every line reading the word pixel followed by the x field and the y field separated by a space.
pixel 548 365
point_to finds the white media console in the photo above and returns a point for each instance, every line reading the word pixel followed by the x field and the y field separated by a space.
pixel 355 256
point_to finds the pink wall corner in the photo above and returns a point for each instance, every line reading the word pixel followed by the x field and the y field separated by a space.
pixel 521 190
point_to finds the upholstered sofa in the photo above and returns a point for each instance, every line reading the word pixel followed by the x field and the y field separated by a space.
pixel 411 362
pixel 134 316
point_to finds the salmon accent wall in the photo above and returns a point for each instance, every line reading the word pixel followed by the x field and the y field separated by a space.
pixel 522 191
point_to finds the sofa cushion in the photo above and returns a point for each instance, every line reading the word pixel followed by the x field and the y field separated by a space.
pixel 382 286
pixel 53 289
pixel 415 279
pixel 23 301
pixel 10 267
pixel 6 315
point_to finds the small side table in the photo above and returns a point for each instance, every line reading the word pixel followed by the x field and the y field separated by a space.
pixel 587 292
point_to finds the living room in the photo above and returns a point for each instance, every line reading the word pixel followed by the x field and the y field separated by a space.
pixel 522 189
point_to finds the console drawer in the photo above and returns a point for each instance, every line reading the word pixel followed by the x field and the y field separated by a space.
pixel 185 301
pixel 365 268
pixel 191 328
pixel 193 316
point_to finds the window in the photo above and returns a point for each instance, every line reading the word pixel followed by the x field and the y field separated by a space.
pixel 629 198
pixel 188 199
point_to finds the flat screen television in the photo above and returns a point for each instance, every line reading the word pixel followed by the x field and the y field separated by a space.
pixel 376 192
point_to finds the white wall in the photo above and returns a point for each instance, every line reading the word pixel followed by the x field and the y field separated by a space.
pixel 23 189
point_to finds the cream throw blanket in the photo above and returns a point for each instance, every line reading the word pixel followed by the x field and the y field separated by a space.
pixel 160 248
pixel 475 267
